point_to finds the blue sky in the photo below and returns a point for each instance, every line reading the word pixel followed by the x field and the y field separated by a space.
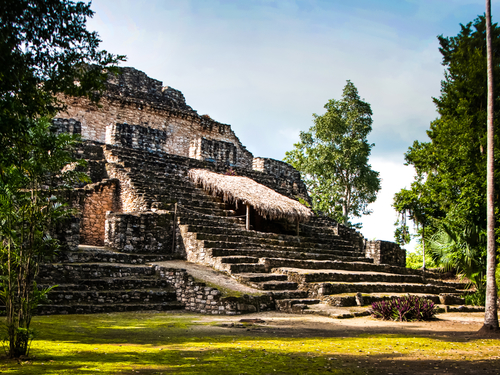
pixel 265 67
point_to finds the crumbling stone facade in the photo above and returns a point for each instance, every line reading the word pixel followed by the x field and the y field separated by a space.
pixel 133 98
pixel 385 252
pixel 198 297
pixel 98 201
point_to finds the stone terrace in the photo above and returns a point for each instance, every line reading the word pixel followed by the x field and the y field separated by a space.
pixel 324 266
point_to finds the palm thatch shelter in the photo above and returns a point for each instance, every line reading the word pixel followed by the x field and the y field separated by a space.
pixel 238 189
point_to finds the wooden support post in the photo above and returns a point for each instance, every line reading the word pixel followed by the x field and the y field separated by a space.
pixel 298 228
pixel 174 234
pixel 248 217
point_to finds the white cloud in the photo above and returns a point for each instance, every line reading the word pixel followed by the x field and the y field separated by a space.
pixel 395 176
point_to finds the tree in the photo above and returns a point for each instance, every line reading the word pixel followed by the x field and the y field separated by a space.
pixel 45 52
pixel 450 181
pixel 411 206
pixel 491 314
pixel 333 158
pixel 29 212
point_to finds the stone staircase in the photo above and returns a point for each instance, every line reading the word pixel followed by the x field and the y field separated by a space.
pixel 97 280
pixel 321 269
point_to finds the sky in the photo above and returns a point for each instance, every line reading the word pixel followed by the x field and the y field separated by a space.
pixel 265 66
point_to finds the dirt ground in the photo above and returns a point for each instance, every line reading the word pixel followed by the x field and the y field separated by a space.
pixel 450 328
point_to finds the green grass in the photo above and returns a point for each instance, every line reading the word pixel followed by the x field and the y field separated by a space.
pixel 158 343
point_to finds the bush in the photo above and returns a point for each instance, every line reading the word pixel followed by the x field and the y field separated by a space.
pixel 478 298
pixel 407 308
pixel 415 259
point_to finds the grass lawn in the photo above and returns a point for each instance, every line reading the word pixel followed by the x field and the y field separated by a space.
pixel 184 343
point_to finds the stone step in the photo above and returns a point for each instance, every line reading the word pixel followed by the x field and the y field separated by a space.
pixel 188 209
pixel 213 232
pixel 323 289
pixel 238 259
pixel 287 258
pixel 92 308
pixel 295 306
pixel 104 255
pixel 351 299
pixel 289 294
pixel 275 248
pixel 258 277
pixel 317 264
pixel 273 285
pixel 127 283
pixel 323 309
pixel 68 272
pixel 301 276
pixel 103 297
pixel 242 268
pixel 252 240
pixel 213 222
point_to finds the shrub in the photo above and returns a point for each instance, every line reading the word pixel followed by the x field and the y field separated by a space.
pixel 478 298
pixel 406 308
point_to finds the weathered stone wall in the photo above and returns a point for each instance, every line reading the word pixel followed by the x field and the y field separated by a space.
pixel 134 98
pixel 63 125
pixel 136 136
pixel 130 200
pixel 141 232
pixel 220 152
pixel 385 252
pixel 68 233
pixel 92 202
pixel 286 176
pixel 276 168
pixel 200 298
pixel 99 199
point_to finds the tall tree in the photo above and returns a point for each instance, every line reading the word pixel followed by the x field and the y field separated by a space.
pixel 450 182
pixel 491 314
pixel 333 158
pixel 45 51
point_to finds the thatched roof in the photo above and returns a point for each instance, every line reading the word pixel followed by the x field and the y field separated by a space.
pixel 266 201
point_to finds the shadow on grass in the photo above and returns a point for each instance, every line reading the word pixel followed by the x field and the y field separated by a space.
pixel 158 329
pixel 149 343
pixel 244 361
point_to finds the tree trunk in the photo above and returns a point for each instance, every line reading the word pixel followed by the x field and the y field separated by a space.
pixel 490 311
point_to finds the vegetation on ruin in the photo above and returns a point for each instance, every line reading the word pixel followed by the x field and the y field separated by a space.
pixel 333 158
pixel 46 50
pixel 158 343
pixel 405 308
pixel 448 195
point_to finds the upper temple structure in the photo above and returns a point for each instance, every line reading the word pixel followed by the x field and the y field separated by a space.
pixel 171 189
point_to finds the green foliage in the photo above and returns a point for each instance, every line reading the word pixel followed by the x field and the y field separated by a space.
pixel 406 308
pixel 46 53
pixel 478 298
pixel 415 260
pixel 448 195
pixel 463 251
pixel 46 50
pixel 333 158
pixel 29 211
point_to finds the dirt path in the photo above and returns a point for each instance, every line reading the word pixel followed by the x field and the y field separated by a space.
pixel 209 275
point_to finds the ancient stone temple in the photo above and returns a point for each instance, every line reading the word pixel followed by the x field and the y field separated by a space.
pixel 170 184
